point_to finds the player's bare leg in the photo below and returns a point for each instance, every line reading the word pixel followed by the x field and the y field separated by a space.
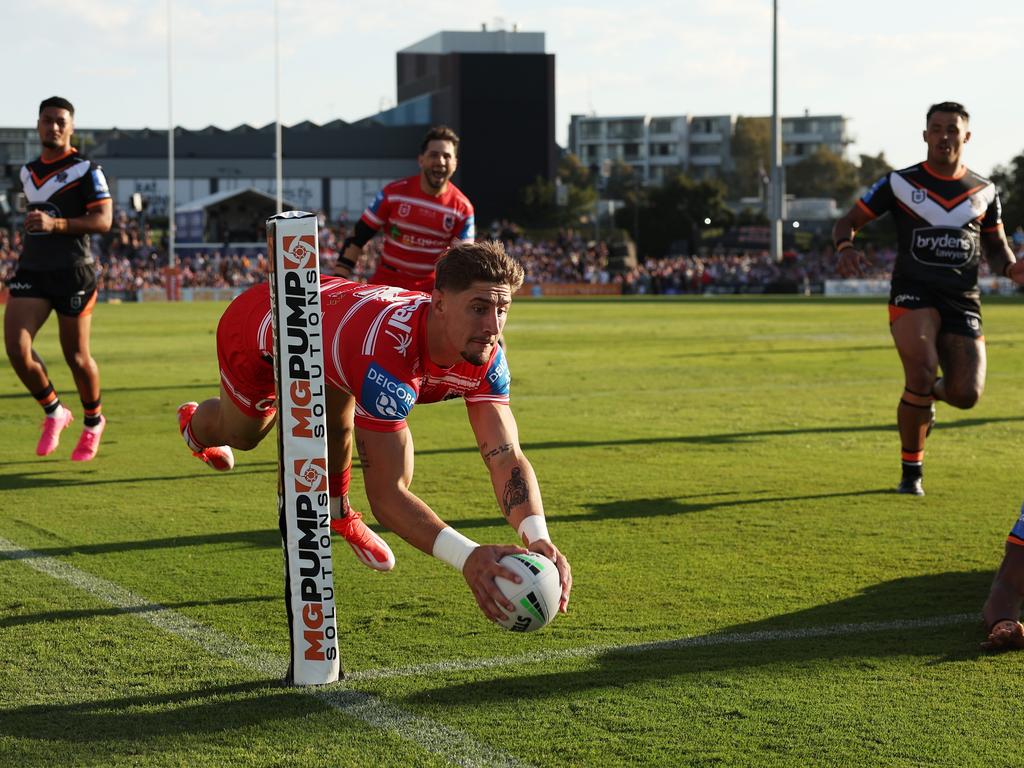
pixel 964 362
pixel 371 550
pixel 22 320
pixel 915 334
pixel 74 342
pixel 215 426
pixel 1002 609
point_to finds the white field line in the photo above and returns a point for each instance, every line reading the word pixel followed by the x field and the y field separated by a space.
pixel 696 641
pixel 450 744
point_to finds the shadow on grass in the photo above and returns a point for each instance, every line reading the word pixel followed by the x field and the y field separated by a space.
pixel 726 438
pixel 262 539
pixel 209 387
pixel 88 613
pixel 150 716
pixel 617 510
pixel 54 478
pixel 897 601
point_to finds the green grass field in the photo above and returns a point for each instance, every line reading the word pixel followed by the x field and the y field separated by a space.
pixel 748 590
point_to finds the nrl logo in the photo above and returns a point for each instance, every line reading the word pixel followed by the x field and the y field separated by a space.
pixel 918 196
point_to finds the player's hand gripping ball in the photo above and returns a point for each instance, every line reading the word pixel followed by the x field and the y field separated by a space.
pixel 536 597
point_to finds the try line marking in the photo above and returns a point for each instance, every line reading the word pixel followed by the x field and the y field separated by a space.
pixel 452 745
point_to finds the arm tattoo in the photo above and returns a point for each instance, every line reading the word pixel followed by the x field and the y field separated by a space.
pixel 488 455
pixel 516 491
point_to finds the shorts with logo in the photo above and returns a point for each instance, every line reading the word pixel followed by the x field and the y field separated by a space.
pixel 71 292
pixel 960 312
pixel 246 372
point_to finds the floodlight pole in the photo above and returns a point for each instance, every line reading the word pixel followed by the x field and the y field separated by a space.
pixel 278 164
pixel 172 257
pixel 778 188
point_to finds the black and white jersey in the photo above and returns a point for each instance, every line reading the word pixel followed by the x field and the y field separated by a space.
pixel 939 220
pixel 63 188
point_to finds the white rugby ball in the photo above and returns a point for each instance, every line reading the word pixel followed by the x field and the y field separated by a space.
pixel 536 597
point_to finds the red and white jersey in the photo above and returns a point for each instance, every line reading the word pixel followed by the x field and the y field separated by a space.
pixel 375 346
pixel 419 227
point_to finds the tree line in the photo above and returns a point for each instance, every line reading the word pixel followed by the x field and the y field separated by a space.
pixel 658 216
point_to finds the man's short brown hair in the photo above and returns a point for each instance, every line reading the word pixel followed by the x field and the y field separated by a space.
pixel 468 263
pixel 440 133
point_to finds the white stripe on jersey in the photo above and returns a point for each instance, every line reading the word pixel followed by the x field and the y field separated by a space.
pixel 427 204
pixel 54 184
pixel 263 334
pixel 412 266
pixel 973 207
pixel 503 399
pixel 440 234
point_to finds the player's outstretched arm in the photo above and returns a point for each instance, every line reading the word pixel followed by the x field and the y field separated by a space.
pixel 387 465
pixel 515 484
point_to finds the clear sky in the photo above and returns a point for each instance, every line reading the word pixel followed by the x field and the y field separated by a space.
pixel 878 62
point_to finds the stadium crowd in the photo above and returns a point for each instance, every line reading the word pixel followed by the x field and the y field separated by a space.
pixel 130 260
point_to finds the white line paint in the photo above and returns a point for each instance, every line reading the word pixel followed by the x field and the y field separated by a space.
pixel 698 641
pixel 450 744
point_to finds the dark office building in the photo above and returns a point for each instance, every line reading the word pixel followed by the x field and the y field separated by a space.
pixel 497 91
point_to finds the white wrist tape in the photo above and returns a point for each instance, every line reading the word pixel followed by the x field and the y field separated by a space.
pixel 454 548
pixel 533 528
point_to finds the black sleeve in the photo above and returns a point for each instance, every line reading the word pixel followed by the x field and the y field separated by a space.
pixel 362 235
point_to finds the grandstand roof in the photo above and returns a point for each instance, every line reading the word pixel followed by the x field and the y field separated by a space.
pixel 201 203
pixel 305 140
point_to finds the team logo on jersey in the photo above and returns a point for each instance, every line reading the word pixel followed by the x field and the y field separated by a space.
pixel 385 396
pixel 299 252
pixel 76 302
pixel 918 196
pixel 62 176
pixel 973 321
pixel 404 210
pixel 449 222
pixel 943 247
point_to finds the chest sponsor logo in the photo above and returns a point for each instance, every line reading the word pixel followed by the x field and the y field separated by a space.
pixel 385 396
pixel 943 247
pixel 918 196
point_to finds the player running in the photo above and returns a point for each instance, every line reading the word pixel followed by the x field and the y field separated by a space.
pixel 68 200
pixel 386 350
pixel 421 216
pixel 943 212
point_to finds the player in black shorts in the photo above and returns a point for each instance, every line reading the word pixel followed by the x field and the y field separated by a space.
pixel 68 200
pixel 945 216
